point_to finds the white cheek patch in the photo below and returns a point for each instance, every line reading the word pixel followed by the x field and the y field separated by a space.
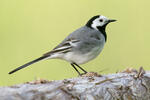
pixel 96 22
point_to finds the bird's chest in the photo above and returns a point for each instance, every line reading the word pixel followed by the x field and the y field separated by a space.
pixel 93 53
pixel 81 58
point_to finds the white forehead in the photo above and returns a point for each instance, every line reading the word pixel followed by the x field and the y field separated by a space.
pixel 103 17
pixel 97 20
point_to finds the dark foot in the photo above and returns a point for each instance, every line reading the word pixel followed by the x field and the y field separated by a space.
pixel 80 74
pixel 80 68
pixel 76 69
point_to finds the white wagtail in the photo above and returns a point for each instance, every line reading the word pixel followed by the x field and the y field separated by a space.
pixel 81 46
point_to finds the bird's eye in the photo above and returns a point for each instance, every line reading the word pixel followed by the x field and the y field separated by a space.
pixel 101 20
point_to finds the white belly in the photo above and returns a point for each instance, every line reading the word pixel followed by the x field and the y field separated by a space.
pixel 83 58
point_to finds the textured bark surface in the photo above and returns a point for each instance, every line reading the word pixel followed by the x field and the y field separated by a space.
pixel 127 85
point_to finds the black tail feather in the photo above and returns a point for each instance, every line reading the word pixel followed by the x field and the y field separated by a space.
pixel 27 64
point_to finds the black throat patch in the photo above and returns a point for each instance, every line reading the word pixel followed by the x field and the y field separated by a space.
pixel 102 30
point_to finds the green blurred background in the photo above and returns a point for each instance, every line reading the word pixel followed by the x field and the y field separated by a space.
pixel 29 28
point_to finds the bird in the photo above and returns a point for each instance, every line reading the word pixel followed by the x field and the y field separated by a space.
pixel 79 47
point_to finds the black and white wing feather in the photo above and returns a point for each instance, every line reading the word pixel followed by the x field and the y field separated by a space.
pixel 64 47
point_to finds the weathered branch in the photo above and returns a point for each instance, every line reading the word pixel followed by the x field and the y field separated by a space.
pixel 127 85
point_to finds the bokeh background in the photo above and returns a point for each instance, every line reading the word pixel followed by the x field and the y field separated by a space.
pixel 29 28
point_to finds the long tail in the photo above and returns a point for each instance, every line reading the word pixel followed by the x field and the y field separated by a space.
pixel 27 64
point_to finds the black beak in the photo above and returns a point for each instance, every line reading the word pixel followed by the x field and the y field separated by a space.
pixel 111 20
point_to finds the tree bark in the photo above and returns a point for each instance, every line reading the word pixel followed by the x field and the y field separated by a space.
pixel 127 85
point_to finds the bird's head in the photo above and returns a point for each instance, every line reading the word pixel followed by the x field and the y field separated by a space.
pixel 99 21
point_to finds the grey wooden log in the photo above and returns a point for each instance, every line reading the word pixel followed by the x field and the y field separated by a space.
pixel 127 85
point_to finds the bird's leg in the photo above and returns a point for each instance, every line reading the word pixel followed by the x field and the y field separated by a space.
pixel 81 68
pixel 75 69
